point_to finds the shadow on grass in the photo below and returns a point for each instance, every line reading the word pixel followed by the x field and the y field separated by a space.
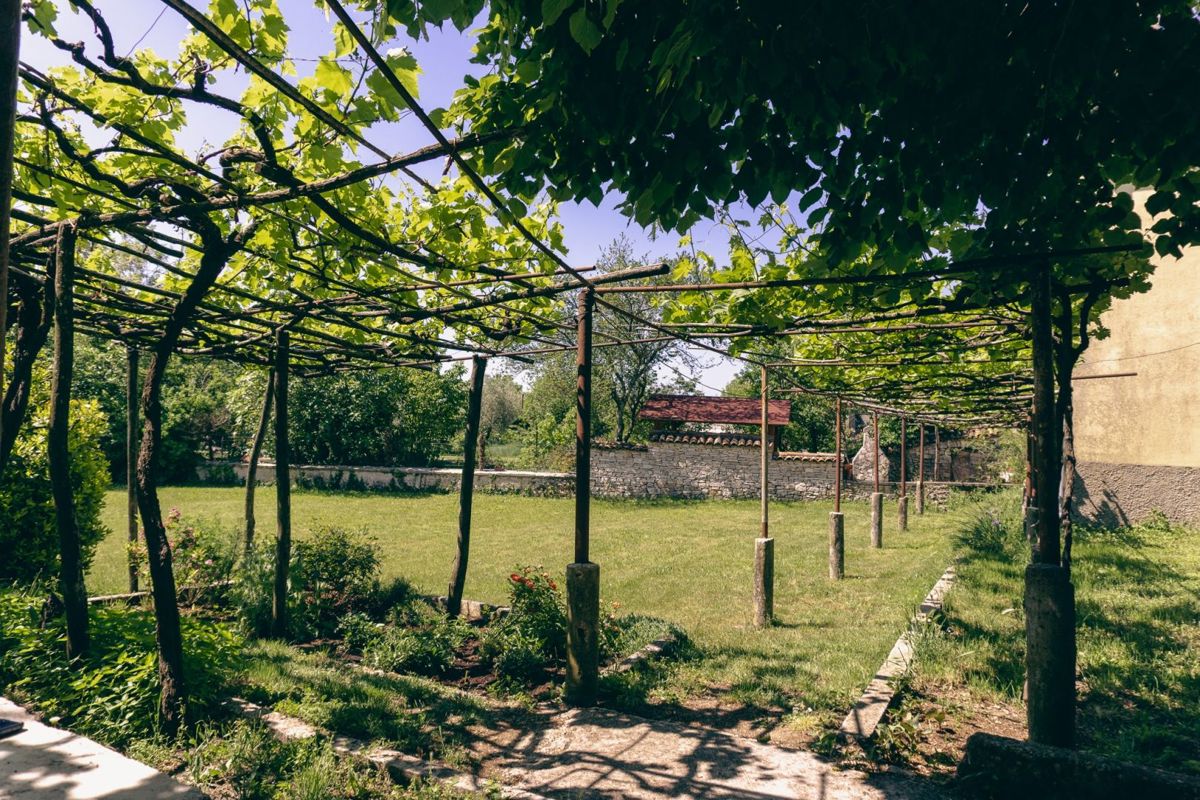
pixel 411 714
pixel 1136 622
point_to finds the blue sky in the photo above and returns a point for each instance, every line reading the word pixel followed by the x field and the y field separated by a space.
pixel 444 59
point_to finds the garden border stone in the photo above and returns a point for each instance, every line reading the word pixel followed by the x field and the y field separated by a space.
pixel 404 769
pixel 868 710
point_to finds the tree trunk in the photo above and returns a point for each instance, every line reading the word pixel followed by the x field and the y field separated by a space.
pixel 10 45
pixel 255 452
pixel 1046 428
pixel 173 694
pixel 70 579
pixel 131 376
pixel 466 490
pixel 1049 597
pixel 35 316
pixel 283 492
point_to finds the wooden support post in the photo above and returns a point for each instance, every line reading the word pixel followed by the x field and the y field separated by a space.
pixel 10 46
pixel 876 496
pixel 764 545
pixel 921 472
pixel 466 489
pixel 875 428
pixel 937 454
pixel 764 485
pixel 583 577
pixel 902 503
pixel 70 580
pixel 256 447
pixel 283 492
pixel 837 455
pixel 1049 596
pixel 583 426
pixel 131 450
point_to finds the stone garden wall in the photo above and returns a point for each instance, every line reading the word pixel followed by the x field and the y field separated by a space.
pixel 541 484
pixel 678 469
pixel 684 469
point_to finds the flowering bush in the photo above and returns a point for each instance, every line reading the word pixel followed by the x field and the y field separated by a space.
pixel 202 552
pixel 534 634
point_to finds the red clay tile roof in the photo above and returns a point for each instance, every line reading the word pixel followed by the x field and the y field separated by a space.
pixel 717 410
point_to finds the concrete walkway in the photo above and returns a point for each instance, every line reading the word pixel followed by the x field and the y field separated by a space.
pixel 51 764
pixel 596 753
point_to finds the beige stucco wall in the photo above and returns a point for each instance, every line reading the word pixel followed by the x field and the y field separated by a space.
pixel 1152 419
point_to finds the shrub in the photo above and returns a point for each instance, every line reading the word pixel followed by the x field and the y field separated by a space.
pixel 112 692
pixel 515 655
pixel 333 573
pixel 202 552
pixel 359 632
pixel 534 634
pixel 252 591
pixel 28 535
pixel 427 650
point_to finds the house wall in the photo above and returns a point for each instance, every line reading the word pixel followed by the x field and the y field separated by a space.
pixel 1138 438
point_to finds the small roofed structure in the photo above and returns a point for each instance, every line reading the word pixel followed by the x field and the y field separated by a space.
pixel 701 409
pixel 714 413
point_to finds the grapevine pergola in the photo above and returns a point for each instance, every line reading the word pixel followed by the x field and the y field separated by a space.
pixel 281 249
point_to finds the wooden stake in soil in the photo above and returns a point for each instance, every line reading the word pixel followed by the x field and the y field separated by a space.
pixel 131 448
pixel 466 489
pixel 58 447
pixel 583 577
pixel 283 491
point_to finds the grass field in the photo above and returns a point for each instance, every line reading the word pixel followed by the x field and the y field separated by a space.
pixel 689 562
pixel 1138 635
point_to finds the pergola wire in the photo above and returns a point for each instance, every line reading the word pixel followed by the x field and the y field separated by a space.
pixel 402 323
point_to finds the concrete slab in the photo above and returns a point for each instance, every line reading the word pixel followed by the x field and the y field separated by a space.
pixel 595 753
pixel 45 763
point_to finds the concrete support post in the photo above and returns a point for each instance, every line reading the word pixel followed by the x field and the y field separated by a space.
pixel 764 582
pixel 1050 654
pixel 876 519
pixel 902 513
pixel 837 546
pixel 583 633
pixel 920 497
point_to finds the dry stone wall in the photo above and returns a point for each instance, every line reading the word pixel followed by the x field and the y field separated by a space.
pixel 703 471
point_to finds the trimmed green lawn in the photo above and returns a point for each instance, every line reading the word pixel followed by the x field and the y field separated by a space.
pixel 688 562
pixel 1138 635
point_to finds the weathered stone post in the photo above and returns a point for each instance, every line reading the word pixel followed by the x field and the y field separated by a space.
pixel 583 633
pixel 902 512
pixel 876 519
pixel 583 577
pixel 764 582
pixel 920 497
pixel 837 545
pixel 1050 654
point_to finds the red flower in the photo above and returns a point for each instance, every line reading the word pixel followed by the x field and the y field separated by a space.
pixel 553 587
pixel 515 578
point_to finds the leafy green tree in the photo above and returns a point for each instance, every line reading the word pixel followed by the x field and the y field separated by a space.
pixel 501 406
pixel 811 426
pixel 393 417
pixel 28 532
